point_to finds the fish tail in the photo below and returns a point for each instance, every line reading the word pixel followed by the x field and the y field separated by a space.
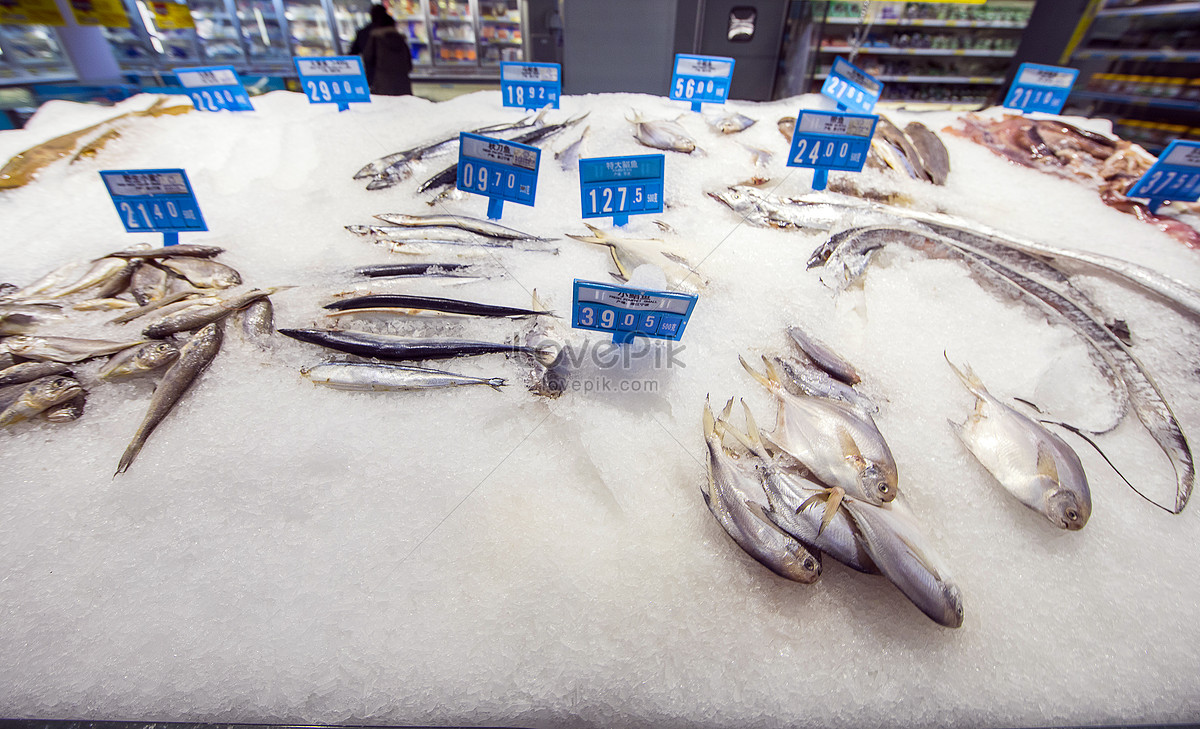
pixel 755 445
pixel 710 427
pixel 728 409
pixel 130 453
pixel 969 379
pixel 496 383
pixel 760 377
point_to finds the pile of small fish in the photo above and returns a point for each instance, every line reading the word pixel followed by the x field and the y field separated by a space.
pixel 24 167
pixel 822 482
pixel 184 290
pixel 1112 166
pixel 915 152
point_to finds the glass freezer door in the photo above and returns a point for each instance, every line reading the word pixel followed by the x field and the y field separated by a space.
pixel 412 21
pixel 309 24
pixel 218 31
pixel 264 31
pixel 32 53
pixel 500 32
pixel 453 33
pixel 348 17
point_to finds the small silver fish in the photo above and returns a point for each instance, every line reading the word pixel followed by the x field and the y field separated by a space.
pixel 68 411
pixel 258 319
pixel 1029 461
pixel 568 158
pixel 461 222
pixel 29 371
pixel 824 357
pixel 139 360
pixel 730 122
pixel 376 377
pixel 100 272
pixel 202 272
pixel 662 134
pixel 149 283
pixel 63 349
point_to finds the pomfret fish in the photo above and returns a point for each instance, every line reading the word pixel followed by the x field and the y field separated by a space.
pixel 1033 464
pixel 730 489
pixel 194 357
pixel 39 395
pixel 806 378
pixel 63 349
pixel 662 134
pixel 834 443
pixel 629 253
pixel 730 122
pixel 374 377
pixel 202 272
pixel 139 360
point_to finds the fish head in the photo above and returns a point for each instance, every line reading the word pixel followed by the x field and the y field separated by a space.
pixel 800 565
pixel 53 391
pixel 18 344
pixel 732 199
pixel 1067 509
pixel 877 487
pixel 156 354
pixel 952 612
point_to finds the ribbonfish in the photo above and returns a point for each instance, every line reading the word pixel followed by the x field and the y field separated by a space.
pixel 1033 464
pixel 662 134
pixel 838 446
pixel 138 360
pixel 372 377
pixel 194 357
pixel 38 396
pixel 729 490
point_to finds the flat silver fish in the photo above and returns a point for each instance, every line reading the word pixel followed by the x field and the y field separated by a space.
pixel 729 122
pixel 662 134
pixel 202 272
pixel 824 357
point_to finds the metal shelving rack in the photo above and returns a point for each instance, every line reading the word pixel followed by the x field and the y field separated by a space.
pixel 1140 66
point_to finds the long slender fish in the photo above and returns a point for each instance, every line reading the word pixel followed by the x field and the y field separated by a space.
pixel 374 377
pixel 183 249
pixel 729 490
pixel 100 271
pixel 194 357
pixel 29 371
pixel 1029 461
pixel 407 303
pixel 385 270
pixel 434 235
pixel 473 225
pixel 63 349
pixel 389 346
pixel 189 319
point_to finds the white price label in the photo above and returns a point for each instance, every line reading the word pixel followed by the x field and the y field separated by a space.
pixel 702 67
pixel 500 152
pixel 633 300
pixel 811 123
pixel 197 79
pixel 149 183
pixel 1042 77
pixel 1186 156
pixel 518 72
pixel 319 67
pixel 850 73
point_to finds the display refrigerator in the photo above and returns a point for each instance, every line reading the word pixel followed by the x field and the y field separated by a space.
pixel 32 54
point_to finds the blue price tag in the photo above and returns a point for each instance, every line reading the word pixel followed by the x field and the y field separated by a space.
pixel 826 141
pixel 701 79
pixel 620 186
pixel 333 80
pixel 214 88
pixel 530 85
pixel 1040 88
pixel 1175 176
pixel 154 201
pixel 851 87
pixel 627 313
pixel 498 169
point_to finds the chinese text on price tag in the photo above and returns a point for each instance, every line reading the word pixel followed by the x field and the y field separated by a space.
pixel 701 79
pixel 154 201
pixel 627 313
pixel 851 87
pixel 827 141
pixel 497 169
pixel 1175 176
pixel 621 186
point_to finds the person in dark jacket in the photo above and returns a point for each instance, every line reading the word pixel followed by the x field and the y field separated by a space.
pixel 387 59
pixel 379 19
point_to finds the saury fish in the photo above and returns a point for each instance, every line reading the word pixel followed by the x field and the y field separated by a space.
pixel 473 225
pixel 194 357
pixel 412 304
pixel 367 376
pixel 392 347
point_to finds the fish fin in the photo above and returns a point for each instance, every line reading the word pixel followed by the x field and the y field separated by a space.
pixel 612 252
pixel 1046 465
pixel 677 259
pixel 850 449
pixel 753 433
pixel 773 371
pixel 710 427
pixel 760 377
pixel 596 231
pixel 536 304
pixel 496 383
pixel 618 277
pixel 831 507
pixel 969 379
pixel 812 500
pixel 728 410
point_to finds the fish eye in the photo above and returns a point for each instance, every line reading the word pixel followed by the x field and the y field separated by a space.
pixel 810 564
pixel 883 488
pixel 1072 514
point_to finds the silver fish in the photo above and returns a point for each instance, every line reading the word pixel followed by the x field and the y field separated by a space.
pixel 55 279
pixel 97 274
pixel 194 357
pixel 903 554
pixel 806 378
pixel 163 305
pixel 149 283
pixel 374 377
pixel 37 396
pixel 764 212
pixel 175 251
pixel 202 272
pixel 838 446
pixel 662 134
pixel 63 349
pixel 402 233
pixel 194 318
pixel 729 490
pixel 1033 464
pixel 932 153
pixel 568 158
pixel 824 357
pixel 730 122
pixel 258 319
pixel 29 371
pixel 139 360
pixel 472 225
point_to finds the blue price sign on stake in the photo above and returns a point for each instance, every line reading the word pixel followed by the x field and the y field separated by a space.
pixel 154 201
pixel 701 78
pixel 333 80
pixel 214 88
pixel 498 169
pixel 1040 88
pixel 627 313
pixel 1175 176
pixel 851 87
pixel 826 141
pixel 530 85
pixel 620 186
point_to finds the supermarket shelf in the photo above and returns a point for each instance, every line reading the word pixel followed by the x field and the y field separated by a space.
pixel 1141 55
pixel 498 20
pixel 1139 100
pixel 990 80
pixel 1165 9
pixel 515 44
pixel 453 40
pixel 438 19
pixel 920 51
pixel 917 23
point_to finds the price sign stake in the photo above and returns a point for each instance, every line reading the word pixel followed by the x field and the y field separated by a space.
pixel 154 201
pixel 1040 88
pixel 530 85
pixel 337 80
pixel 1175 176
pixel 621 186
pixel 497 169
pixel 215 88
pixel 701 78
pixel 828 141
pixel 627 312
pixel 851 87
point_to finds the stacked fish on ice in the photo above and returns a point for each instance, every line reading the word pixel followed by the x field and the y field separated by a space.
pixel 823 481
pixel 181 285
pixel 916 152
